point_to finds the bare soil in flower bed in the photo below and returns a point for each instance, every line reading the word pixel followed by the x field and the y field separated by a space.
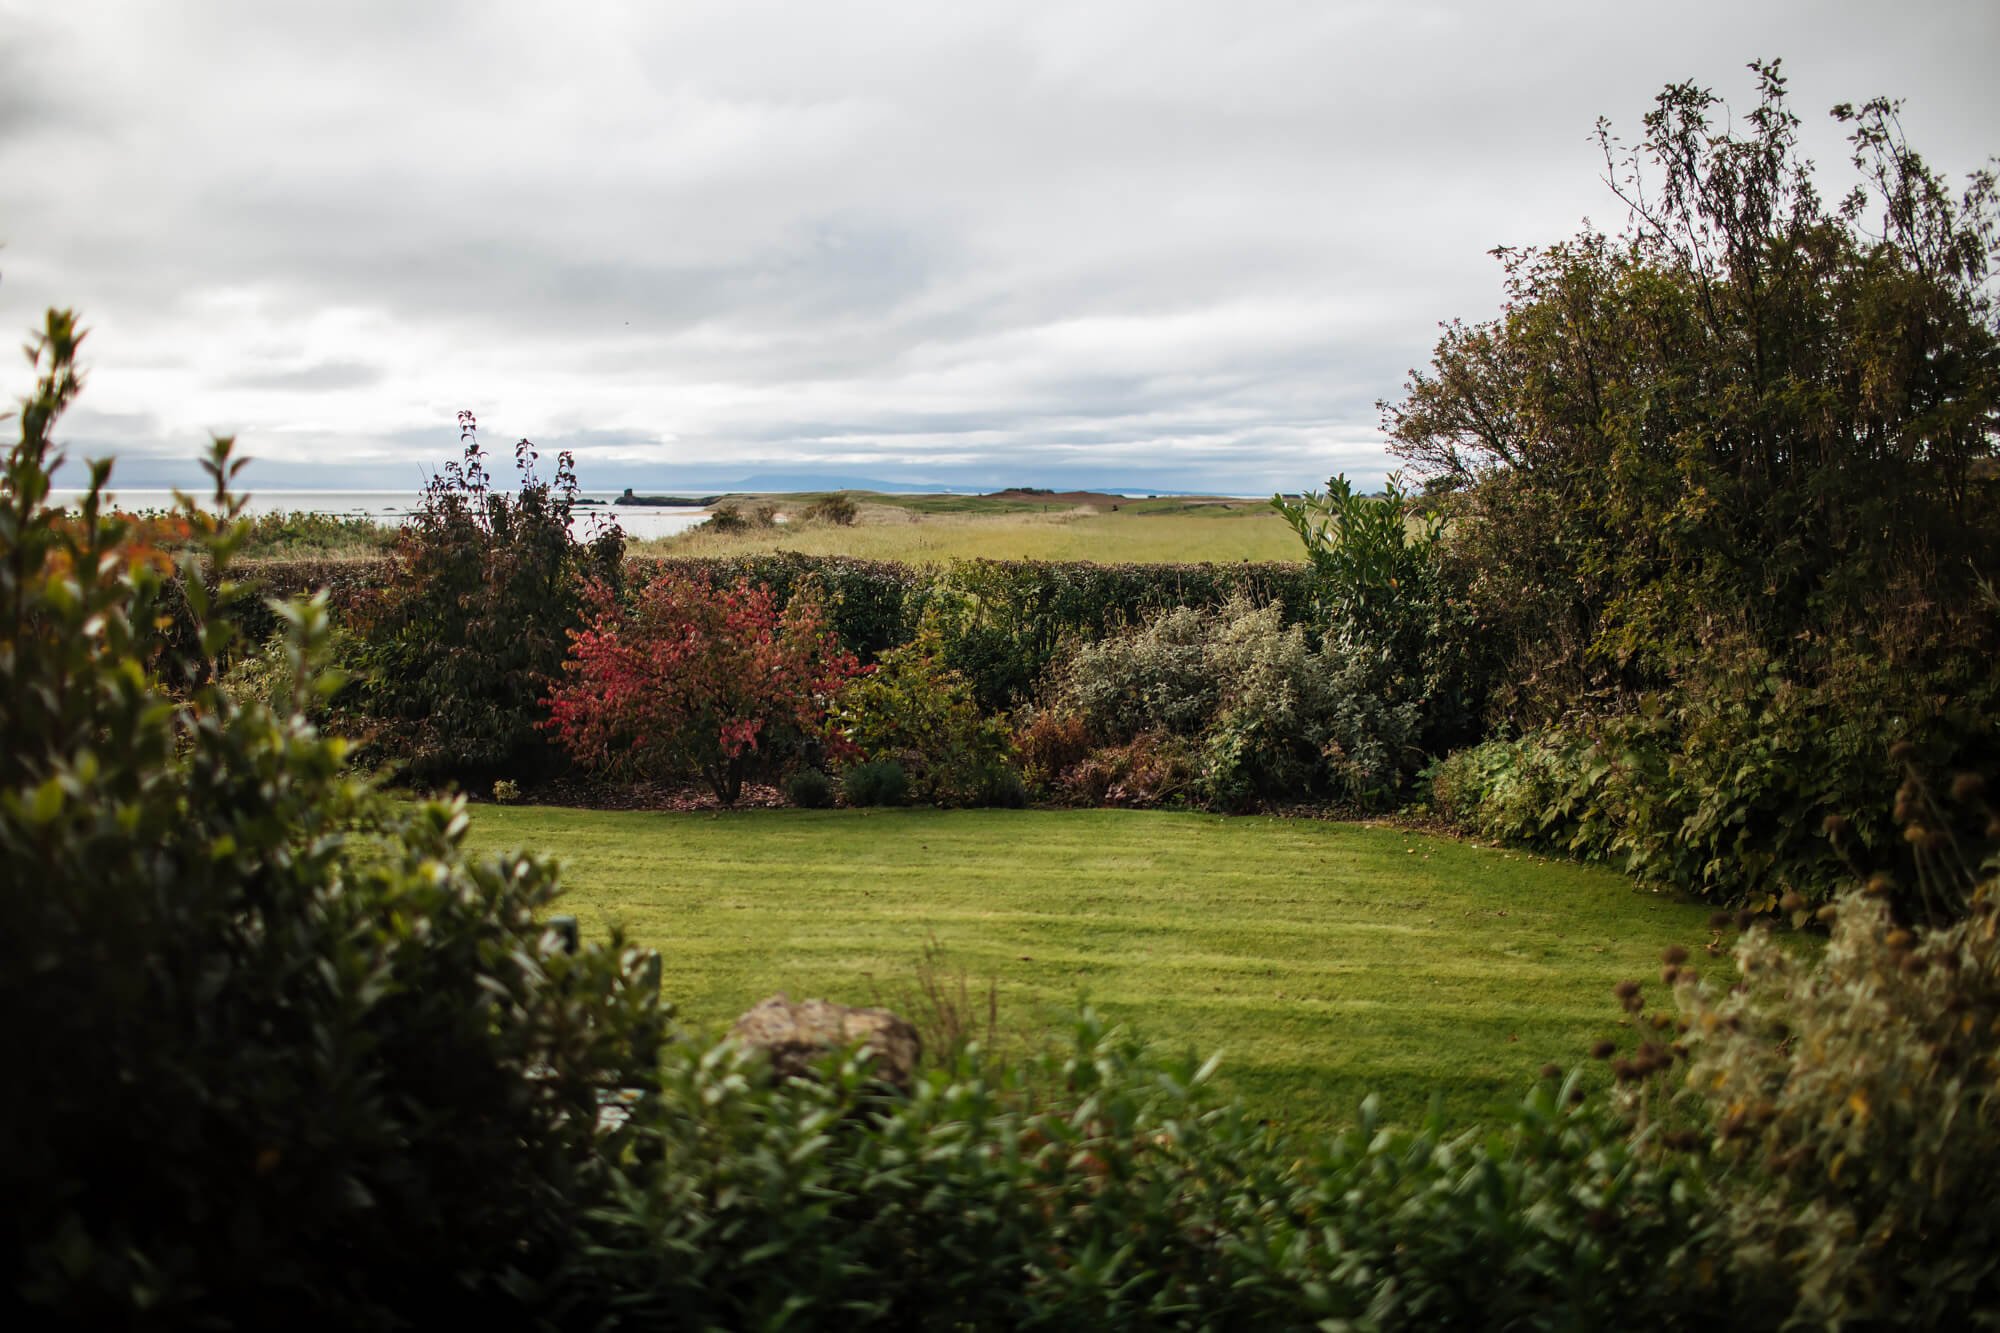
pixel 579 794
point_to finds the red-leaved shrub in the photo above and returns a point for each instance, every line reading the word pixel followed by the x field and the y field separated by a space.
pixel 693 679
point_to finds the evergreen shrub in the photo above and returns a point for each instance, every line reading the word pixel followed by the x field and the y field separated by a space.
pixel 1268 716
pixel 875 782
pixel 920 713
pixel 280 1049
pixel 464 639
pixel 809 789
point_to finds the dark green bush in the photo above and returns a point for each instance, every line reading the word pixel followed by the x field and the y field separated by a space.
pixel 733 517
pixel 875 782
pixel 463 641
pixel 1719 489
pixel 868 602
pixel 1002 788
pixel 1005 624
pixel 809 789
pixel 918 712
pixel 1739 791
pixel 280 1050
pixel 1758 409
pixel 836 509
pixel 347 583
pixel 1384 591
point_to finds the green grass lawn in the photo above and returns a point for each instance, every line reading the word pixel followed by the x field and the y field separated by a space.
pixel 1144 531
pixel 1323 960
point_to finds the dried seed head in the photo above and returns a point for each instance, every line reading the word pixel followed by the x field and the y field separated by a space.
pixel 1674 954
pixel 1792 902
pixel 1720 920
pixel 1625 990
pixel 1603 1050
pixel 1552 1071
pixel 1879 886
pixel 1834 826
pixel 1625 1071
pixel 1967 787
pixel 1828 914
pixel 1670 974
pixel 1787 1162
pixel 1898 940
pixel 1902 752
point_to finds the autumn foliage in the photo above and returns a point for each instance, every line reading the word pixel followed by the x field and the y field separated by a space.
pixel 696 678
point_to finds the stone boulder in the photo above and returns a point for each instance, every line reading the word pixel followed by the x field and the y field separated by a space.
pixel 798 1033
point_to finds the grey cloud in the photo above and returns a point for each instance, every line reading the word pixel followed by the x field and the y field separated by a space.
pixel 321 377
pixel 1169 236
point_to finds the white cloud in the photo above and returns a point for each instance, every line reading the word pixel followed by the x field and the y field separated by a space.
pixel 1141 241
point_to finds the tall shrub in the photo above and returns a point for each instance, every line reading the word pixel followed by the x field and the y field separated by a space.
pixel 1382 588
pixel 278 1049
pixel 1270 716
pixel 1752 414
pixel 693 679
pixel 916 711
pixel 1854 1097
pixel 469 631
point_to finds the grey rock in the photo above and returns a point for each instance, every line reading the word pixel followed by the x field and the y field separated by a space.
pixel 798 1033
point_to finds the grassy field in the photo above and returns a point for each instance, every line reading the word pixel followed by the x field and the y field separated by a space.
pixel 936 529
pixel 1324 960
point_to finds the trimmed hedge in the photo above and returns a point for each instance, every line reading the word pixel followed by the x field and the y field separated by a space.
pixel 1004 621
pixel 868 602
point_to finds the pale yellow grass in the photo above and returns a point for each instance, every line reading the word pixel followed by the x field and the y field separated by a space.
pixel 885 532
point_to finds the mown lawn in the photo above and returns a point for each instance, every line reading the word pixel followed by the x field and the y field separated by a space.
pixel 1150 531
pixel 1324 960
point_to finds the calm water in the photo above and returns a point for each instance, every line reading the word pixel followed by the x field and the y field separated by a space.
pixel 639 521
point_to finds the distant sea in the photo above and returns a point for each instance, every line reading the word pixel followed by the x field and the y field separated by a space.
pixel 392 507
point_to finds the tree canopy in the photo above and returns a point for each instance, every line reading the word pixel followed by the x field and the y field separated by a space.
pixel 1749 413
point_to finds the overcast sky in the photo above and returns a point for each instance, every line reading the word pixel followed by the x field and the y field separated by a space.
pixel 1148 245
